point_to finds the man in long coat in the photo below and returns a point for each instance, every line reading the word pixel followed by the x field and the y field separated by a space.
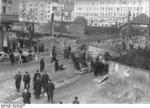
pixel 56 65
pixel 44 80
pixel 49 90
pixel 26 97
pixel 36 75
pixel 42 64
pixel 37 88
pixel 26 79
pixel 18 79
pixel 12 58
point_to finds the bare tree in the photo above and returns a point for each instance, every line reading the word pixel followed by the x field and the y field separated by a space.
pixel 30 18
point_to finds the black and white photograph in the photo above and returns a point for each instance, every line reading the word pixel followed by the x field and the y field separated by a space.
pixel 74 52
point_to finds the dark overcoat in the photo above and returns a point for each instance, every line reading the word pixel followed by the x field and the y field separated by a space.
pixel 26 97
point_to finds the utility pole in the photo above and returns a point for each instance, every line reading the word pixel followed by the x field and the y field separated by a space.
pixel 129 25
pixel 62 19
pixel 148 33
pixel 52 24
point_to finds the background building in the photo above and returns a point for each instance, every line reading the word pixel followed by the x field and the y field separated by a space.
pixel 40 10
pixel 8 15
pixel 109 12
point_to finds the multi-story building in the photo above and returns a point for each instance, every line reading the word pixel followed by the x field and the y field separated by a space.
pixel 8 15
pixel 109 12
pixel 40 10
pixel 9 7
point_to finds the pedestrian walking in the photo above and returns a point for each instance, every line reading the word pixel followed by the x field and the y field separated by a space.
pixel 26 79
pixel 18 79
pixel 42 64
pixel 53 58
pixel 76 100
pixel 49 90
pixel 56 66
pixel 45 78
pixel 36 75
pixel 37 88
pixel 26 97
pixel 20 57
pixel 36 57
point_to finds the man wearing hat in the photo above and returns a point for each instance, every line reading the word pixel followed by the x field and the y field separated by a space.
pixel 49 90
pixel 37 88
pixel 76 100
pixel 26 79
pixel 18 79
pixel 26 96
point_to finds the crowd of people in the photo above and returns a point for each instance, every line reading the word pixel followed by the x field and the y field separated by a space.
pixel 95 65
pixel 42 81
pixel 39 81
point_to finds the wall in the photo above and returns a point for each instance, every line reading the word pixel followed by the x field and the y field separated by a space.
pixel 130 73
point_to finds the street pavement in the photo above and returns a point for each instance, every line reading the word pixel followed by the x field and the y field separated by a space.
pixel 85 87
pixel 68 84
pixel 7 85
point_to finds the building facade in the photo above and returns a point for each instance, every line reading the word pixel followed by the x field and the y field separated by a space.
pixel 9 7
pixel 109 12
pixel 8 15
pixel 39 10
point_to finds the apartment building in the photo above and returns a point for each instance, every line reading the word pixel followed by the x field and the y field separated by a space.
pixel 8 15
pixel 39 10
pixel 109 12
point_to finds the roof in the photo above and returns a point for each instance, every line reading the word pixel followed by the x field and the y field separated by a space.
pixel 142 19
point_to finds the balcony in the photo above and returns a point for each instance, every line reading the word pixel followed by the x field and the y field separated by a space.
pixel 5 18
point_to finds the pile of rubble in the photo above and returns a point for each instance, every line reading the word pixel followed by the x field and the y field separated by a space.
pixel 122 91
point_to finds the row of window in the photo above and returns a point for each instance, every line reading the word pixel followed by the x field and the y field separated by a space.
pixel 108 8
pixel 6 9
pixel 109 2
pixel 108 14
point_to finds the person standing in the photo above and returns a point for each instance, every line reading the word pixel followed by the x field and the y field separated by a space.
pixel 56 66
pixel 36 75
pixel 44 80
pixel 35 49
pixel 20 57
pixel 49 90
pixel 26 79
pixel 36 57
pixel 18 79
pixel 12 58
pixel 37 88
pixel 42 64
pixel 76 100
pixel 26 97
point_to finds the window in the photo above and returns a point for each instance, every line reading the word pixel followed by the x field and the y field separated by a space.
pixel 54 8
pixel 4 0
pixel 9 9
pixel 9 2
pixel 4 9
